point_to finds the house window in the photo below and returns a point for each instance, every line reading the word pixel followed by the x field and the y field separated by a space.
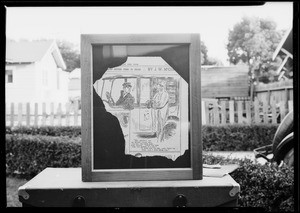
pixel 8 76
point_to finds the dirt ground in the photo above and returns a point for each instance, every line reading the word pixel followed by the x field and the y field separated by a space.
pixel 12 185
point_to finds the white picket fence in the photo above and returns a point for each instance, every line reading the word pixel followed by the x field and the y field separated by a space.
pixel 213 113
pixel 45 114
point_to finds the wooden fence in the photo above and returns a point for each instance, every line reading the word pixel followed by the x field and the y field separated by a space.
pixel 214 112
pixel 43 114
pixel 275 92
pixel 243 112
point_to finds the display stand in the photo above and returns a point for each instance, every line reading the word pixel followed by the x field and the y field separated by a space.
pixel 62 187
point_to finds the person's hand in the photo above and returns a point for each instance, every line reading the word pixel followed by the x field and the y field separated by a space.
pixel 155 104
pixel 108 96
pixel 109 99
pixel 149 104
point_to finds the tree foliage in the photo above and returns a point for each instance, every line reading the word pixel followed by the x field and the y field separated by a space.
pixel 214 61
pixel 253 41
pixel 205 59
pixel 203 50
pixel 70 54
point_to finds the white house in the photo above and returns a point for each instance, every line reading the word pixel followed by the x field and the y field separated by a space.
pixel 75 84
pixel 34 73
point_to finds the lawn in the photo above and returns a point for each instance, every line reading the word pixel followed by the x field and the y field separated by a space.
pixel 12 185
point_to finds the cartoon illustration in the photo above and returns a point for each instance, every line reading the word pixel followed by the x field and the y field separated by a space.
pixel 160 104
pixel 126 99
pixel 151 106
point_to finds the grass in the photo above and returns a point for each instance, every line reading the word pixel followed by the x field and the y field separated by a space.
pixel 12 185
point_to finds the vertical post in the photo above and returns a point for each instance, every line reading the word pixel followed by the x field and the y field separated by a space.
pixel 274 114
pixel 59 114
pixel 28 114
pixel 282 110
pixel 240 111
pixel 20 114
pixel 207 114
pixel 223 112
pixel 231 112
pixel 286 97
pixel 36 114
pixel 216 113
pixel 265 110
pixel 12 114
pixel 256 111
pixel 44 115
pixel 67 114
pixel 76 113
pixel 251 88
pixel 203 112
pixel 271 99
pixel 86 94
pixel 268 97
pixel 52 114
pixel 195 106
pixel 290 104
pixel 248 111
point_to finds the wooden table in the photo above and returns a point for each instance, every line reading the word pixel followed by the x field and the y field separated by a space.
pixel 62 187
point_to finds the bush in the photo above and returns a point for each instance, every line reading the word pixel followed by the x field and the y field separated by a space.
pixel 237 137
pixel 69 131
pixel 267 186
pixel 215 138
pixel 27 155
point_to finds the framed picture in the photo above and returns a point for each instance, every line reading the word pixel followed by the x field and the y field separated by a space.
pixel 141 107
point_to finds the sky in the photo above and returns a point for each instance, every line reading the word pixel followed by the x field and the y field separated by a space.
pixel 212 23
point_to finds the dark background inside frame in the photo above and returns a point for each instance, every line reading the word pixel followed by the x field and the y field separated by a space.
pixel 109 144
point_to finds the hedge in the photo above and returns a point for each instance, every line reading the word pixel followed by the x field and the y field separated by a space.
pixel 69 131
pixel 267 186
pixel 237 137
pixel 27 155
pixel 215 138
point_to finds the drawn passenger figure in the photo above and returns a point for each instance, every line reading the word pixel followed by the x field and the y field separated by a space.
pixel 160 104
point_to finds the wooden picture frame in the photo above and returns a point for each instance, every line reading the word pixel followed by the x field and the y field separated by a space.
pixel 192 173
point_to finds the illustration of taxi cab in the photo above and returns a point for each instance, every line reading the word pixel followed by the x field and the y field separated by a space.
pixel 146 99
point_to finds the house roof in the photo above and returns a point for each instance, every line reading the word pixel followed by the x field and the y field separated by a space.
pixel 285 43
pixel 32 51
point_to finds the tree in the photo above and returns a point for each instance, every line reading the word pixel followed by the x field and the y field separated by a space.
pixel 204 56
pixel 214 61
pixel 70 54
pixel 205 59
pixel 253 41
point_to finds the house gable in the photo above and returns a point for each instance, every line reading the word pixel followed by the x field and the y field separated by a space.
pixel 38 75
pixel 32 51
